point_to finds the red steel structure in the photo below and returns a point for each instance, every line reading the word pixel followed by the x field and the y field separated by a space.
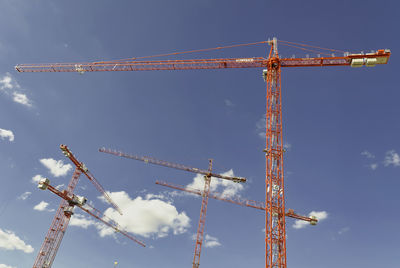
pixel 74 200
pixel 57 229
pixel 205 194
pixel 82 167
pixel 275 239
pixel 55 234
pixel 238 201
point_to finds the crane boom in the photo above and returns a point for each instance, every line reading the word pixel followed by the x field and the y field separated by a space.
pixel 355 60
pixel 275 234
pixel 154 161
pixel 67 152
pixel 238 201
pixel 92 211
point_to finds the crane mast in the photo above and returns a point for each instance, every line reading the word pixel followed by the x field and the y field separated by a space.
pixel 202 219
pixel 80 202
pixel 57 229
pixel 275 241
pixel 208 174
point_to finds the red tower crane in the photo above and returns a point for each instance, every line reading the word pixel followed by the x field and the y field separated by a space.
pixel 54 236
pixel 275 236
pixel 238 201
pixel 74 200
pixel 205 194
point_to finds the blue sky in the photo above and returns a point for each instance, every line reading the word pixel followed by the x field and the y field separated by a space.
pixel 341 125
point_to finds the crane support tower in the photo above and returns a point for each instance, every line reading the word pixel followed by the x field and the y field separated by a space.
pixel 58 227
pixel 208 174
pixel 275 236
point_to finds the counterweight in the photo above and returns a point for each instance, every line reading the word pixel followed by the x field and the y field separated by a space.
pixel 275 251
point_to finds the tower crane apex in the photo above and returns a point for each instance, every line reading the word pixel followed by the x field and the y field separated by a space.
pixel 275 235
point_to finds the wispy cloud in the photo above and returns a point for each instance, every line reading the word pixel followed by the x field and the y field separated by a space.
pixel 367 154
pixel 261 127
pixel 2 265
pixel 228 103
pixel 10 87
pixel 35 179
pixel 211 242
pixel 321 215
pixel 7 82
pixel 373 166
pixel 56 168
pixel 6 134
pixel 22 99
pixel 287 146
pixel 343 230
pixel 60 186
pixel 10 241
pixel 391 158
pixel 42 206
pixel 24 196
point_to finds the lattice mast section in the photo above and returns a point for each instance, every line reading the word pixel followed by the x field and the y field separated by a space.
pixel 275 234
pixel 202 220
pixel 56 232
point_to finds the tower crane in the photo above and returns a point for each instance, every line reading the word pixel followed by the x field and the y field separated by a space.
pixel 58 227
pixel 238 201
pixel 82 167
pixel 81 202
pixel 205 194
pixel 275 235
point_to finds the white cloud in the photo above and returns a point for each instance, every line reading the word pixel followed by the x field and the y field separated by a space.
pixel 7 82
pixel 229 103
pixel 211 242
pixel 22 99
pixel 147 216
pixel 36 179
pixel 11 88
pixel 60 186
pixel 321 215
pixel 24 196
pixel 343 230
pixel 4 134
pixel 6 266
pixel 10 241
pixel 81 221
pixel 392 158
pixel 42 206
pixel 227 188
pixel 261 127
pixel 57 168
pixel 367 154
pixel 373 166
pixel 287 146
